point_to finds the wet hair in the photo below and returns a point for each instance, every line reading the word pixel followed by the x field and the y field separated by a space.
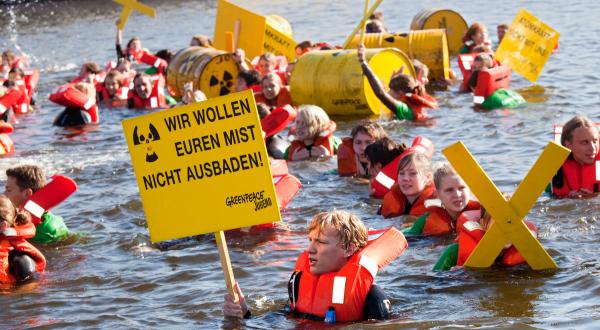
pixel 132 40
pixel 473 30
pixel 269 57
pixel 383 151
pixel 485 59
pixel 573 124
pixel 304 45
pixel 9 54
pixel 315 118
pixel 441 171
pixel 263 110
pixel 273 76
pixel 377 15
pixel 92 67
pixel 116 75
pixel 18 71
pixel 141 75
pixel 370 128
pixel 202 40
pixel 403 83
pixel 350 229
pixel 421 162
pixel 165 54
pixel 374 26
pixel 502 26
pixel 86 88
pixel 10 214
pixel 250 77
pixel 27 177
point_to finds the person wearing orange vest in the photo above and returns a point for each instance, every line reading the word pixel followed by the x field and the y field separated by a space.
pixel 351 157
pixel 148 92
pixel 19 260
pixel 273 92
pixel 112 92
pixel 454 196
pixel 314 135
pixel 333 279
pixel 413 188
pixel 579 176
pixel 403 98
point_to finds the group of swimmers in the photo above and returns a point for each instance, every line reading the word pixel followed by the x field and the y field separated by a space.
pixel 436 199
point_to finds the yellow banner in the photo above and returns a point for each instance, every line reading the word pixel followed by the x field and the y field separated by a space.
pixel 202 167
pixel 527 45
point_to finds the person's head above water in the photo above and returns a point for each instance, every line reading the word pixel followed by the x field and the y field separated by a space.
pixel 451 189
pixel 414 174
pixel 10 215
pixel 580 135
pixel 363 135
pixel 22 182
pixel 333 238
pixel 310 122
pixel 142 84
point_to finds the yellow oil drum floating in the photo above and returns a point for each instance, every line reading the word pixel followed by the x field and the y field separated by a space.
pixel 436 18
pixel 212 71
pixel 333 79
pixel 427 46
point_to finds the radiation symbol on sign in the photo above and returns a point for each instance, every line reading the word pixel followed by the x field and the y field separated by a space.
pixel 224 84
pixel 151 136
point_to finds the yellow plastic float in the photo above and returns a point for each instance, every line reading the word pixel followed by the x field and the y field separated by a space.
pixel 333 79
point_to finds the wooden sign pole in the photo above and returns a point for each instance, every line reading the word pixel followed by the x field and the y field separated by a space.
pixel 226 264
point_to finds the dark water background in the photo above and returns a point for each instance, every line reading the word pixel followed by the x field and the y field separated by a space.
pixel 110 275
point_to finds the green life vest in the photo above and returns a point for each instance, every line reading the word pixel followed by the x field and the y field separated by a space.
pixel 448 259
pixel 51 229
pixel 503 98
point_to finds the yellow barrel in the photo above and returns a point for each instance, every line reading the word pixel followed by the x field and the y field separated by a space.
pixel 438 18
pixel 280 24
pixel 212 71
pixel 427 46
pixel 333 79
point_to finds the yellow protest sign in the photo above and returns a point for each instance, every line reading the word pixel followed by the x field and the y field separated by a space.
pixel 254 33
pixel 129 6
pixel 202 167
pixel 527 45
pixel 508 215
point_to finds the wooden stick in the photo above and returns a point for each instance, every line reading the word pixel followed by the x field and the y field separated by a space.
pixel 236 34
pixel 226 264
pixel 362 22
pixel 229 42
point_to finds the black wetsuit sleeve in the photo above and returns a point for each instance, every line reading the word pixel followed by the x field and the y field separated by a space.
pixel 377 305
pixel 120 54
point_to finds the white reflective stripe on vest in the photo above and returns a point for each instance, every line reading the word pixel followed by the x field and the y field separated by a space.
pixel 420 149
pixel 157 63
pixel 34 208
pixel 24 107
pixel 154 102
pixel 369 264
pixel 478 99
pixel 339 287
pixel 385 180
pixel 598 170
pixel 90 102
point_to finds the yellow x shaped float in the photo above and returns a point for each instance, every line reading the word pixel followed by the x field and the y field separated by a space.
pixel 129 6
pixel 508 214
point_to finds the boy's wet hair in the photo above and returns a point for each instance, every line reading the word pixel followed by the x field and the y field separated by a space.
pixel 403 83
pixel 27 177
pixel 370 128
pixel 350 229
pixel 573 124
pixel 383 151
pixel 92 67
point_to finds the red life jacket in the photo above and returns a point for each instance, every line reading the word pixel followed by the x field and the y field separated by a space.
pixel 50 195
pixel 439 221
pixel 388 175
pixel 346 158
pixel 489 81
pixel 345 290
pixel 472 233
pixel 14 98
pixel 395 203
pixel 157 96
pixel 325 139
pixel 283 98
pixel 278 120
pixel 7 146
pixel 31 78
pixel 102 94
pixel 153 60
pixel 68 96
pixel 19 63
pixel 573 176
pixel 418 104
pixel 8 244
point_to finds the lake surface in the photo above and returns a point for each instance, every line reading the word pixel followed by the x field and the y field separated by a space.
pixel 111 275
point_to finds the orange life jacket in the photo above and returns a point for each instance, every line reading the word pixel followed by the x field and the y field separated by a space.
pixel 102 95
pixel 345 290
pixel 388 175
pixel 395 203
pixel 278 120
pixel 156 99
pixel 325 139
pixel 8 244
pixel 470 235
pixel 47 197
pixel 439 221
pixel 573 176
pixel 346 158
pixel 14 98
pixel 418 104
pixel 7 147
pixel 283 98
pixel 153 60
pixel 68 96
pixel 490 80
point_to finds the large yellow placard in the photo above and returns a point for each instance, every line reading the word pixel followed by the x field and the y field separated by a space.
pixel 527 45
pixel 202 167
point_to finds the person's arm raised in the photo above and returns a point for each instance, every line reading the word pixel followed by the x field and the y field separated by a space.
pixel 375 83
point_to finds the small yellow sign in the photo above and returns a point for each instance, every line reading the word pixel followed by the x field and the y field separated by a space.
pixel 202 167
pixel 527 45
pixel 129 6
pixel 508 215
pixel 254 33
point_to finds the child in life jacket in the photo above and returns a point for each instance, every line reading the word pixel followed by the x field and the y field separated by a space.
pixel 90 72
pixel 113 91
pixel 413 188
pixel 476 39
pixel 422 78
pixel 579 176
pixel 10 61
pixel 454 197
pixel 380 153
pixel 314 135
pixel 351 157
pixel 21 183
pixel 148 93
pixel 134 49
pixel 403 99
pixel 246 80
pixel 77 115
pixel 274 93
pixel 16 99
pixel 19 260
pixel 266 64
pixel 473 227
